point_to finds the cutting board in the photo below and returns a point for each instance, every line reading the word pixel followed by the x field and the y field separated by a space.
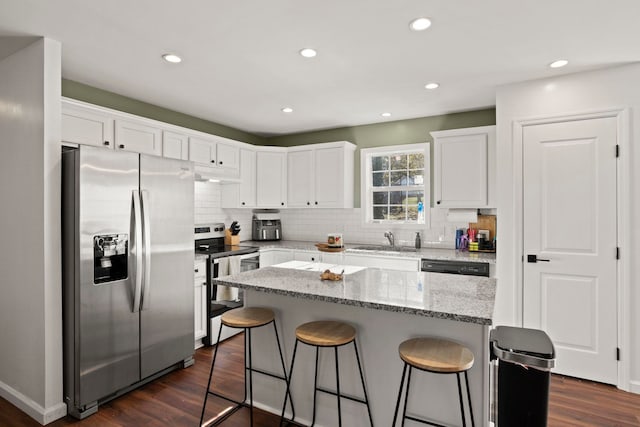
pixel 485 222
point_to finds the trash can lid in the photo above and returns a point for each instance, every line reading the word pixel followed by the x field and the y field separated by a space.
pixel 522 345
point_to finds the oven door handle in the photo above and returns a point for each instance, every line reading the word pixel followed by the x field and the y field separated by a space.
pixel 250 256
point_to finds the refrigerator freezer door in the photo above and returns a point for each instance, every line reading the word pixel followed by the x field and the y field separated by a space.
pixel 166 316
pixel 107 338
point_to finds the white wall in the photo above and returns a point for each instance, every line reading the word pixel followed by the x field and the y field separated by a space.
pixel 31 290
pixel 314 224
pixel 577 93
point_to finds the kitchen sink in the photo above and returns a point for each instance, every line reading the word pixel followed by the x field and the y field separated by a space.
pixel 386 248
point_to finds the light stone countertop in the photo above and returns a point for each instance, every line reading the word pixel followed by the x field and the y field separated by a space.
pixel 455 297
pixel 430 253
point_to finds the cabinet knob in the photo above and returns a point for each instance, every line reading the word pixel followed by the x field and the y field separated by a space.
pixel 313 259
pixel 308 203
pixel 438 202
pixel 242 203
pixel 196 270
pixel 220 162
pixel 204 283
pixel 106 143
pixel 282 203
pixel 213 161
pixel 316 203
pixel 121 146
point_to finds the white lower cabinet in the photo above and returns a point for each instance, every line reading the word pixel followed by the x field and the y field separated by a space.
pixel 273 256
pixel 386 262
pixel 311 256
pixel 200 300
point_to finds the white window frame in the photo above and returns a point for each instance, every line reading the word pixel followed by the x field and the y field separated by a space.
pixel 366 185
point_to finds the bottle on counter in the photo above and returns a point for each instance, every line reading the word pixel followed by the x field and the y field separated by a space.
pixel 418 240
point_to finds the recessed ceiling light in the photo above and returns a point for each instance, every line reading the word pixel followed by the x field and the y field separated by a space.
pixel 287 110
pixel 559 63
pixel 170 57
pixel 420 24
pixel 307 52
pixel 386 114
pixel 432 86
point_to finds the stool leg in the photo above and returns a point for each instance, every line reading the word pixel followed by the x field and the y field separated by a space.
pixel 315 389
pixel 395 413
pixel 338 387
pixel 288 381
pixel 464 421
pixel 213 362
pixel 364 388
pixel 466 379
pixel 406 396
pixel 284 371
pixel 250 382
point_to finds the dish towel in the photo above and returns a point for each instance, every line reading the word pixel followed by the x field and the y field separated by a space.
pixel 228 266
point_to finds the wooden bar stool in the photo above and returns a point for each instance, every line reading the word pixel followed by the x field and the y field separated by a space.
pixel 245 318
pixel 438 356
pixel 327 334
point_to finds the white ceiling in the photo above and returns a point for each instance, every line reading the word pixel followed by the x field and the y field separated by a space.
pixel 241 62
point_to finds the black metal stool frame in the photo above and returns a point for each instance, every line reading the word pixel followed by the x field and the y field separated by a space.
pixel 421 420
pixel 336 393
pixel 251 369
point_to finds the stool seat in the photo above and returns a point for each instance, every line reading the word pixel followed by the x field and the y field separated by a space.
pixel 436 355
pixel 326 333
pixel 247 317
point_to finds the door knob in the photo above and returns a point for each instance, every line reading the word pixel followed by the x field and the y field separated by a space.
pixel 534 258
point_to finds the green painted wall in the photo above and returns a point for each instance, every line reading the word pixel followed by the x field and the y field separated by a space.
pixel 389 133
pixel 112 100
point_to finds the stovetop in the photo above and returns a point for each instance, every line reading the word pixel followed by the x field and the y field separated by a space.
pixel 226 250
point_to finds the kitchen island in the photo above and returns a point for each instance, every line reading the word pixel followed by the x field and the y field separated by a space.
pixel 386 307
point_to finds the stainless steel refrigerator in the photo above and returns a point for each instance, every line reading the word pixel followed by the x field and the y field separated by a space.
pixel 127 272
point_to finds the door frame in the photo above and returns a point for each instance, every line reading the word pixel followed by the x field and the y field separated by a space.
pixel 623 217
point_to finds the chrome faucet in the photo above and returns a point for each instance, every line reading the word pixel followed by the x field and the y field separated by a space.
pixel 389 236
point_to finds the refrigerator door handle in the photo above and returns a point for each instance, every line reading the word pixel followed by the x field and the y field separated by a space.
pixel 146 242
pixel 137 232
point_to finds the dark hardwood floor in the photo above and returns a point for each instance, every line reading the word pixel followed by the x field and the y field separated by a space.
pixel 176 400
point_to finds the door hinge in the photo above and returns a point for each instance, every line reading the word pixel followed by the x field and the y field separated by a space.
pixel 617 150
pixel 618 353
pixel 617 252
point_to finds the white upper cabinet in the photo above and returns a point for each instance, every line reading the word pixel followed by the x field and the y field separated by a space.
pixel 321 175
pixel 464 167
pixel 212 152
pixel 87 127
pixel 247 186
pixel 138 137
pixel 175 145
pixel 271 178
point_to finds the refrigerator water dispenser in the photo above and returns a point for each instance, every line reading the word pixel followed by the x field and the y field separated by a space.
pixel 110 254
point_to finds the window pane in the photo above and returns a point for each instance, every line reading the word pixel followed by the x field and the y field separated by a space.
pixel 414 197
pixel 380 212
pixel 380 197
pixel 416 161
pixel 380 163
pixel 399 162
pixel 416 177
pixel 412 212
pixel 397 197
pixel 397 213
pixel 381 179
pixel 399 178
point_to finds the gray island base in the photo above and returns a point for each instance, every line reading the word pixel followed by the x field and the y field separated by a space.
pixel 386 307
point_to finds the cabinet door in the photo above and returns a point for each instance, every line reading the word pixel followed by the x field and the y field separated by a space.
pixel 311 256
pixel 86 127
pixel 275 256
pixel 175 145
pixel 227 156
pixel 299 178
pixel 329 178
pixel 200 299
pixel 247 187
pixel 270 179
pixel 461 171
pixel 202 151
pixel 137 137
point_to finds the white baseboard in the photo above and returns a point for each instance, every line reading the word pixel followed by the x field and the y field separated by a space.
pixel 634 387
pixel 32 408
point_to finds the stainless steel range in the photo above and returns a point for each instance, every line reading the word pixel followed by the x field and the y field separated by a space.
pixel 222 260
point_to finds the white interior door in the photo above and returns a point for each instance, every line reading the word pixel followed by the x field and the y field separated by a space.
pixel 569 197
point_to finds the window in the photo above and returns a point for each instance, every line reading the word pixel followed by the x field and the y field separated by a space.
pixel 395 181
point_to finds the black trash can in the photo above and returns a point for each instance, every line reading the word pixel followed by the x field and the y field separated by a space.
pixel 524 361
